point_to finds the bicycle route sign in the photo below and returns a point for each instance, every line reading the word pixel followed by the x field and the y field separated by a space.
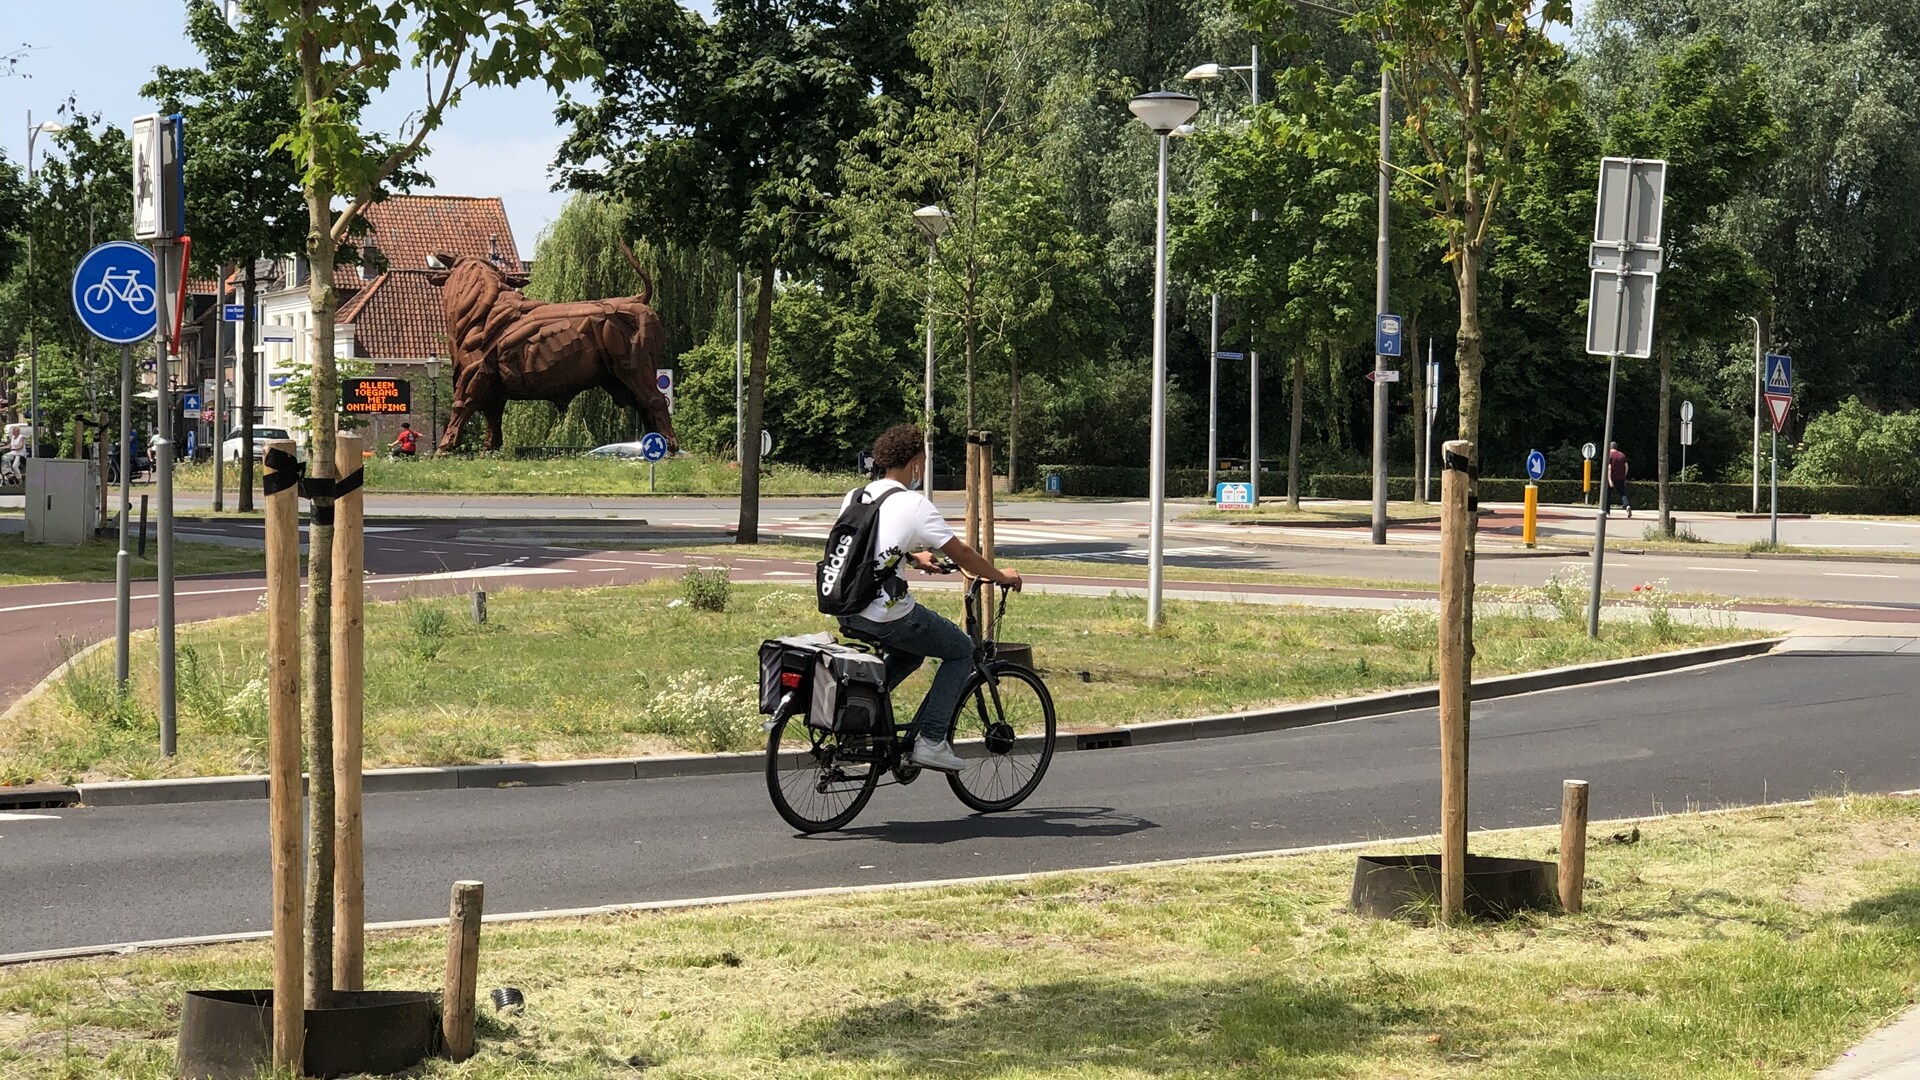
pixel 113 292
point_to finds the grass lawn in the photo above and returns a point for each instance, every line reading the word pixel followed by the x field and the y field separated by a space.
pixel 22 563
pixel 499 475
pixel 1755 944
pixel 625 670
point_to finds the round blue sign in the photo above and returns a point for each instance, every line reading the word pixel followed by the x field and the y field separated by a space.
pixel 114 292
pixel 653 446
pixel 1536 464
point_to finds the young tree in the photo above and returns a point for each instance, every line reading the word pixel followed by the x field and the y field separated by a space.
pixel 730 134
pixel 345 49
pixel 243 199
pixel 1710 120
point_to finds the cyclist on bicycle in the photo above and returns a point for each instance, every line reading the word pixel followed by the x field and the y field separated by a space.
pixel 910 528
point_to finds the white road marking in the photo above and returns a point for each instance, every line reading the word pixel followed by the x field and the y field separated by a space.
pixel 781 573
pixel 1891 577
pixel 1723 569
pixel 603 570
pixel 10 816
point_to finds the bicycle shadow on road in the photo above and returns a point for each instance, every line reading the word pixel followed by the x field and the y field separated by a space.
pixel 1071 822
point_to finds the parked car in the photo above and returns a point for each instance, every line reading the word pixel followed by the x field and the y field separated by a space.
pixel 618 450
pixel 230 449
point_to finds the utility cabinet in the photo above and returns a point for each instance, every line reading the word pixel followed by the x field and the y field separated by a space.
pixel 62 502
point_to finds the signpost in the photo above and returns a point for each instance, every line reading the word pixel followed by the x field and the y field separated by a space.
pixel 1536 471
pixel 664 380
pixel 653 447
pixel 1625 261
pixel 1686 433
pixel 1228 496
pixel 115 295
pixel 1779 371
pixel 1387 330
pixel 1433 410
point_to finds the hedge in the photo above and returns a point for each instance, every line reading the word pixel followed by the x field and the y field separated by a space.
pixel 1130 482
pixel 1735 498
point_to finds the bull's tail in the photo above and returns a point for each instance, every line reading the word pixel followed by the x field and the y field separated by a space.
pixel 646 297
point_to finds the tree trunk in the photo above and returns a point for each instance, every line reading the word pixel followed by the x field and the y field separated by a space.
pixel 323 425
pixel 1666 402
pixel 749 530
pixel 1332 436
pixel 1298 421
pixel 248 391
pixel 1013 425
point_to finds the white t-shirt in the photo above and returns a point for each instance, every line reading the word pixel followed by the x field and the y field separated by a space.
pixel 909 522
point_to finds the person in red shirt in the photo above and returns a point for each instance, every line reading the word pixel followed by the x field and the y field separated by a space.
pixel 408 441
pixel 1617 478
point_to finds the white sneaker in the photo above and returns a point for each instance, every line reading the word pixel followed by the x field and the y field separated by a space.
pixel 938 756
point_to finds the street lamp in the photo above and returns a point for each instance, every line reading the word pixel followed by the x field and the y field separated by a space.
pixel 1162 112
pixel 33 346
pixel 933 222
pixel 1758 362
pixel 1211 73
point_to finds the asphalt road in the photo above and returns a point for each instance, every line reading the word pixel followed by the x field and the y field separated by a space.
pixel 1777 727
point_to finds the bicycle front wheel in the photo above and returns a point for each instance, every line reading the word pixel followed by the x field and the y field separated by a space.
pixel 1004 730
pixel 818 781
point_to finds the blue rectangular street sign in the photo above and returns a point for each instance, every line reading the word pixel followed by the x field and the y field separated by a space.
pixel 1225 355
pixel 277 381
pixel 233 312
pixel 1386 336
pixel 1779 374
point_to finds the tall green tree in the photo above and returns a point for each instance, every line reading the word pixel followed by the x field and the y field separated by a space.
pixel 730 134
pixel 1709 119
pixel 243 199
pixel 346 50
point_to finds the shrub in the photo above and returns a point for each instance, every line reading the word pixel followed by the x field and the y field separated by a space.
pixel 1725 498
pixel 1855 445
pixel 706 590
pixel 707 717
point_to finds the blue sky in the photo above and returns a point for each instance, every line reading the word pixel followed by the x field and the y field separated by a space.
pixel 498 142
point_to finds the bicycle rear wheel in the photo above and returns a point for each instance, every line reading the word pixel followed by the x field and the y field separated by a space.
pixel 817 781
pixel 1005 731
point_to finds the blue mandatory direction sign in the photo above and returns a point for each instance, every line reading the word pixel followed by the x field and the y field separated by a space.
pixel 1536 465
pixel 1779 374
pixel 190 402
pixel 1386 336
pixel 113 292
pixel 653 446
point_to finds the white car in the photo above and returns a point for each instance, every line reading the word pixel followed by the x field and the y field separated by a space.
pixel 231 449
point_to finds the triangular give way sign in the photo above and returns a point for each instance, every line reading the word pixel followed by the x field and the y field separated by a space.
pixel 1778 404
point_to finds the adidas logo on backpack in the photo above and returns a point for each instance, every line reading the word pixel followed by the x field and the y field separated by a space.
pixel 846 579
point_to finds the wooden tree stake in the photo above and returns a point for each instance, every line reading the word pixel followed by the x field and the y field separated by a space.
pixel 463 963
pixel 986 522
pixel 349 676
pixel 1573 845
pixel 1454 684
pixel 283 754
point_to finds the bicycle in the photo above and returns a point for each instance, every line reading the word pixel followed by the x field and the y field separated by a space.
pixel 1004 728
pixel 101 295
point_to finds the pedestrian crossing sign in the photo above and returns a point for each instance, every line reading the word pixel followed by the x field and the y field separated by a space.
pixel 1779 374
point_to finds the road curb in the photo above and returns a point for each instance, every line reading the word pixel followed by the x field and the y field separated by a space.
pixel 665 767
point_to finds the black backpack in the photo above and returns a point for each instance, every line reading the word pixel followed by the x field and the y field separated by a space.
pixel 846 580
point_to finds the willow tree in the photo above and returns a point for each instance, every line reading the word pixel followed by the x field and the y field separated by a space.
pixel 346 50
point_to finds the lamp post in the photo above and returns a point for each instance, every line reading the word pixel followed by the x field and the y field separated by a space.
pixel 739 363
pixel 1210 73
pixel 933 222
pixel 33 344
pixel 1759 361
pixel 1161 111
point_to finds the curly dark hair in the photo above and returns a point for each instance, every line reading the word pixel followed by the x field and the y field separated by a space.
pixel 897 446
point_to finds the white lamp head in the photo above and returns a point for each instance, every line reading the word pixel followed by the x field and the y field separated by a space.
pixel 49 127
pixel 1205 73
pixel 1164 110
pixel 933 221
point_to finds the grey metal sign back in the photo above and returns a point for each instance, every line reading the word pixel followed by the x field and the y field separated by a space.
pixel 1625 258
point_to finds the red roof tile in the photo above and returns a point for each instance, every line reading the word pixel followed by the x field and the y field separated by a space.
pixel 398 317
pixel 408 228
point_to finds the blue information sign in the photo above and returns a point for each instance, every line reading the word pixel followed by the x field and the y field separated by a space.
pixel 1233 496
pixel 653 446
pixel 1225 355
pixel 1779 374
pixel 190 402
pixel 114 294
pixel 1536 465
pixel 1386 336
pixel 233 312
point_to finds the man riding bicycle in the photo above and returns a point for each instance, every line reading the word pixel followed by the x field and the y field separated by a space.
pixel 910 528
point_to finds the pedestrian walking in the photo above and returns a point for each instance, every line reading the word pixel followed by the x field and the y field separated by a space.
pixel 1617 478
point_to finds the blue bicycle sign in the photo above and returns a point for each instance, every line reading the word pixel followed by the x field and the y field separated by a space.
pixel 114 292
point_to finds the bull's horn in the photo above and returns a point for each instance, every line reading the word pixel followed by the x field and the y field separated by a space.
pixel 646 297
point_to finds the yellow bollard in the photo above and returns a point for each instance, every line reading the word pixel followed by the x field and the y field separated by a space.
pixel 1586 479
pixel 1533 513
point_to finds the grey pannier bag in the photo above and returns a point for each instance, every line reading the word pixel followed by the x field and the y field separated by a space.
pixel 849 692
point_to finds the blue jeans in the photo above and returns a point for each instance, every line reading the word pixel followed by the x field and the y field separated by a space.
pixel 908 641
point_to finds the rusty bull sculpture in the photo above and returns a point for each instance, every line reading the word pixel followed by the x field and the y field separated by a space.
pixel 506 347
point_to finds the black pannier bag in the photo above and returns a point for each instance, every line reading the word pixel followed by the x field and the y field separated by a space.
pixel 786 667
pixel 849 692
